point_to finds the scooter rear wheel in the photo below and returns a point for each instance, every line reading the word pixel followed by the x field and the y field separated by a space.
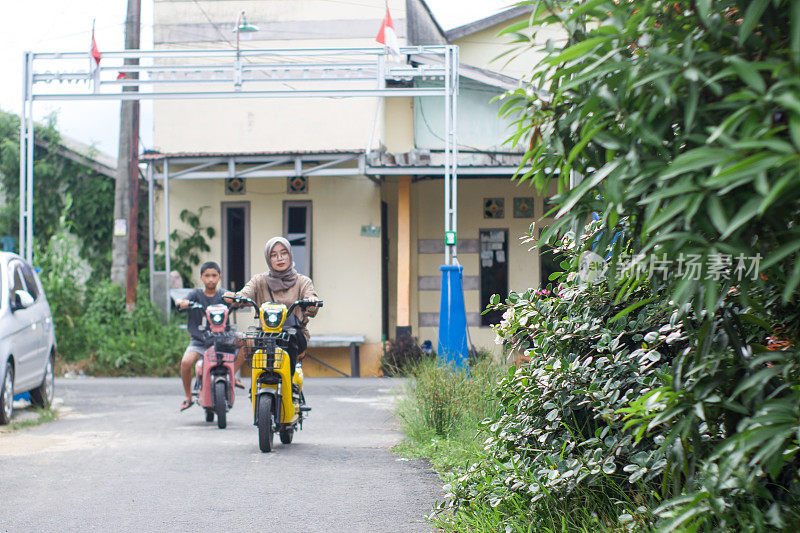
pixel 209 415
pixel 264 423
pixel 286 435
pixel 220 405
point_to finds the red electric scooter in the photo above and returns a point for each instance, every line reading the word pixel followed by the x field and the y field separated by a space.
pixel 214 372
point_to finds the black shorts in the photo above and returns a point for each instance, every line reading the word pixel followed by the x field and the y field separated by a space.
pixel 197 346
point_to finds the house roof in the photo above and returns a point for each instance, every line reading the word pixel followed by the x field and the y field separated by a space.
pixel 421 26
pixel 85 155
pixel 216 165
pixel 155 155
pixel 488 22
pixel 455 19
pixel 485 76
pixel 424 27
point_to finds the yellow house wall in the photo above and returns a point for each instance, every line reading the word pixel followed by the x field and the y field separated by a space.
pixel 345 265
pixel 277 124
pixel 255 125
pixel 398 125
pixel 483 49
pixel 523 264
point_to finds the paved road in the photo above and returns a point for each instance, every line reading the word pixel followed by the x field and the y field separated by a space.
pixel 122 458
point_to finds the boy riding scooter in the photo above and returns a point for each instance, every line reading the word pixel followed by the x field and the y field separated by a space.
pixel 210 275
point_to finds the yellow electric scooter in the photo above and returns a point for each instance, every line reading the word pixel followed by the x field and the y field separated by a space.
pixel 277 396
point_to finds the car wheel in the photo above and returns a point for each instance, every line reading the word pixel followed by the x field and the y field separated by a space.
pixel 43 395
pixel 7 395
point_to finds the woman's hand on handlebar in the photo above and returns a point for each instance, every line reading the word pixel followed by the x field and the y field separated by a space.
pixel 313 309
pixel 309 305
pixel 235 301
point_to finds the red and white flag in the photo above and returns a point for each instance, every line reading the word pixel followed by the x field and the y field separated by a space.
pixel 387 36
pixel 95 52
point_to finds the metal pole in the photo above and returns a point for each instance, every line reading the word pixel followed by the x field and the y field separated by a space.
pixel 23 132
pixel 454 150
pixel 447 191
pixel 167 264
pixel 29 186
pixel 150 218
pixel 237 63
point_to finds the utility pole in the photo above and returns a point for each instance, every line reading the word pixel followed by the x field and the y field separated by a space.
pixel 126 194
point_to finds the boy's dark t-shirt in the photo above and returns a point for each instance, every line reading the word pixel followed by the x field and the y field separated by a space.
pixel 195 317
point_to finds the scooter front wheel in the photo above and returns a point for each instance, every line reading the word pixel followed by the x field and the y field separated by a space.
pixel 264 423
pixel 220 405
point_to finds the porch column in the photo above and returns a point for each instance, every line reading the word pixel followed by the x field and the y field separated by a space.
pixel 404 256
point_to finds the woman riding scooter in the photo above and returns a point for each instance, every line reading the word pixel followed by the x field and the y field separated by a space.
pixel 282 284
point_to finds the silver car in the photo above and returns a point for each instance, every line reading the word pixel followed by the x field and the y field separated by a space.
pixel 27 336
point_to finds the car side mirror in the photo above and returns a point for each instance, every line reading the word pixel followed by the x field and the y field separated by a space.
pixel 22 299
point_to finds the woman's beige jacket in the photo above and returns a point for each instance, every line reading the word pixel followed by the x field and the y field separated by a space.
pixel 258 290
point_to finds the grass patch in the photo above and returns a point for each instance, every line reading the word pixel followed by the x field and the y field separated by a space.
pixel 514 516
pixel 43 416
pixel 441 413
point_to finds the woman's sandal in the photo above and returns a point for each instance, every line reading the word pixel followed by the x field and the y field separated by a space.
pixel 186 404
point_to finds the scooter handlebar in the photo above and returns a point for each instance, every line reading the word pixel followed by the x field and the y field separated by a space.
pixel 304 304
pixel 299 303
pixel 243 299
pixel 192 305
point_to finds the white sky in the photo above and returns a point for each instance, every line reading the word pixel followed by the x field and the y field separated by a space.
pixel 454 13
pixel 65 25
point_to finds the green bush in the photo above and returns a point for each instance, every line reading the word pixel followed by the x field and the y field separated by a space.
pixel 678 124
pixel 63 274
pixel 401 356
pixel 94 330
pixel 137 342
pixel 186 246
pixel 558 441
pixel 65 190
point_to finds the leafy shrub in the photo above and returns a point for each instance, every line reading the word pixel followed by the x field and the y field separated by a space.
pixel 622 413
pixel 64 274
pixel 187 245
pixel 94 331
pixel 64 190
pixel 558 441
pixel 401 355
pixel 682 117
pixel 137 342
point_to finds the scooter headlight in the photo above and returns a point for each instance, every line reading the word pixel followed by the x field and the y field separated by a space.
pixel 272 319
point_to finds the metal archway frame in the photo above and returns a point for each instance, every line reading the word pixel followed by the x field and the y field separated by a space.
pixel 266 73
